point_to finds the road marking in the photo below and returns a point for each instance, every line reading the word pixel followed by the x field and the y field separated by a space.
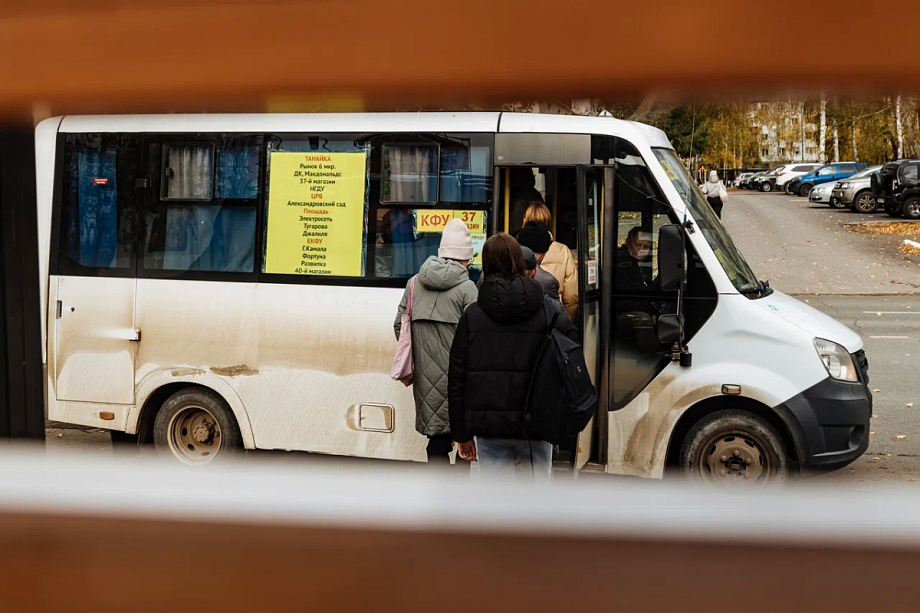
pixel 889 337
pixel 891 312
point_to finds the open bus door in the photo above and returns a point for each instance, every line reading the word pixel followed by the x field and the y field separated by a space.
pixel 591 183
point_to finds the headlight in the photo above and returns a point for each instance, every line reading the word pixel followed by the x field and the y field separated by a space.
pixel 846 185
pixel 836 360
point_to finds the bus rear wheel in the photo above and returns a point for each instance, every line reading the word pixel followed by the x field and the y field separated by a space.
pixel 195 426
pixel 734 449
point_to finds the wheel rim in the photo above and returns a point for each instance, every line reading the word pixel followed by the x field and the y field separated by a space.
pixel 913 208
pixel 865 203
pixel 735 459
pixel 194 435
pixel 806 190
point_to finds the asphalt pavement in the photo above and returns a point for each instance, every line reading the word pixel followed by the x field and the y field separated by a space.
pixel 805 248
pixel 863 282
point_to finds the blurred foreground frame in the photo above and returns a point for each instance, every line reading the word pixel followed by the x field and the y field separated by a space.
pixel 101 56
pixel 80 534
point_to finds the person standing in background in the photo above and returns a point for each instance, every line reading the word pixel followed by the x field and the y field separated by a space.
pixel 715 193
pixel 547 281
pixel 553 256
pixel 443 290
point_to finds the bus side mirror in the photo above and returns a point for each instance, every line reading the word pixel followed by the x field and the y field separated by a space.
pixel 670 257
pixel 669 327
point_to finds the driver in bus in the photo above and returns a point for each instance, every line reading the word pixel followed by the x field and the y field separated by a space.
pixel 634 262
pixel 634 275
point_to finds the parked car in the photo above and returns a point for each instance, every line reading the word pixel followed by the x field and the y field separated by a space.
pixel 829 172
pixel 856 192
pixel 793 171
pixel 822 194
pixel 897 188
pixel 742 178
pixel 766 181
pixel 749 183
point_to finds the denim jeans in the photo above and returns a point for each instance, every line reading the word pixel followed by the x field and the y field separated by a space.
pixel 496 460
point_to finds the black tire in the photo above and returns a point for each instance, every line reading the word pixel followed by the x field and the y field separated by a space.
pixel 911 208
pixel 766 187
pixel 836 203
pixel 805 189
pixel 747 444
pixel 200 442
pixel 865 202
pixel 787 187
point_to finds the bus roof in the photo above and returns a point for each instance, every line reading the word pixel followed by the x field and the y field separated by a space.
pixel 495 122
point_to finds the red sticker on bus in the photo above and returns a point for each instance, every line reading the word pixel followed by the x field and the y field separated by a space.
pixel 100 181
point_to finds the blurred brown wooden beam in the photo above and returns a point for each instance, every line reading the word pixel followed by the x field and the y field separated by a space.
pixel 102 564
pixel 103 55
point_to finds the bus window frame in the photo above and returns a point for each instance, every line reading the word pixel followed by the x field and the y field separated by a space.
pixel 376 141
pixel 56 253
pixel 437 180
pixel 144 199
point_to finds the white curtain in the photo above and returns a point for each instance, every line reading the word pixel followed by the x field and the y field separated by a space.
pixel 191 172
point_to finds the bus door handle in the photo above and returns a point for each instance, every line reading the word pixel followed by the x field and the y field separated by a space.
pixel 136 337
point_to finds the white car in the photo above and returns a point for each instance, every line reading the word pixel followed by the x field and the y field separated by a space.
pixel 792 171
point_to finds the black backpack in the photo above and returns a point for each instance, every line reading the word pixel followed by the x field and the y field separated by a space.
pixel 561 399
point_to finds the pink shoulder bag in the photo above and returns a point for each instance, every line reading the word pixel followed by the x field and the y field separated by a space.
pixel 402 368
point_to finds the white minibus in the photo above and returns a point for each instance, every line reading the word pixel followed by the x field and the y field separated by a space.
pixel 221 282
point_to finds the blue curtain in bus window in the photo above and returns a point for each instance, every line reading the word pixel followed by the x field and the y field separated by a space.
pixel 210 238
pixel 400 250
pixel 94 224
pixel 238 173
pixel 464 174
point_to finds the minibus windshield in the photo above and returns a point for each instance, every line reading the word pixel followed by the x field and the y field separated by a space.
pixel 737 269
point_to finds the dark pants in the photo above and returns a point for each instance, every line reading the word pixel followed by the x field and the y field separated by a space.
pixel 439 446
pixel 716 204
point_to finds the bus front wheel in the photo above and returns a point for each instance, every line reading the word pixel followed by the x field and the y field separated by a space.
pixel 196 426
pixel 734 449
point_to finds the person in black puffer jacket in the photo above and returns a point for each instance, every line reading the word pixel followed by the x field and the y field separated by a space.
pixel 491 361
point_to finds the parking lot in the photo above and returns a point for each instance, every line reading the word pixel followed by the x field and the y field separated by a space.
pixel 862 281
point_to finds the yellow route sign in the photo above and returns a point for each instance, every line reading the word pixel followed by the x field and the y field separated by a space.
pixel 316 214
pixel 434 220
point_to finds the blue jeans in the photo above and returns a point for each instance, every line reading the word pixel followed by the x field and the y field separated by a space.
pixel 496 460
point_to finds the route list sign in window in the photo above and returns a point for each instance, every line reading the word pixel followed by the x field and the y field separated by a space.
pixel 316 214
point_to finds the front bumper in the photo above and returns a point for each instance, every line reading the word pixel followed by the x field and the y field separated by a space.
pixel 830 421
pixel 844 195
pixel 823 197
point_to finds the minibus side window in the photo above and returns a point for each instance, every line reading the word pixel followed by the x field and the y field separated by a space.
pixel 405 238
pixel 316 206
pixel 409 173
pixel 202 211
pixel 188 172
pixel 394 193
pixel 407 235
pixel 98 216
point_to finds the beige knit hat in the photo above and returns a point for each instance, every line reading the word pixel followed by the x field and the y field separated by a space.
pixel 456 243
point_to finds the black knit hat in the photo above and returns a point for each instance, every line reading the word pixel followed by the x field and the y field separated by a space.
pixel 536 236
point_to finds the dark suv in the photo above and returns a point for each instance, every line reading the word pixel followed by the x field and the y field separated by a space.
pixel 897 187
